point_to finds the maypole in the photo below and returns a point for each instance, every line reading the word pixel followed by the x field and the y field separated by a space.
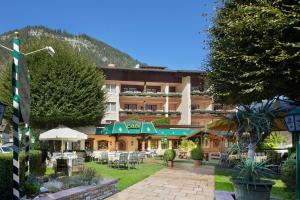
pixel 15 118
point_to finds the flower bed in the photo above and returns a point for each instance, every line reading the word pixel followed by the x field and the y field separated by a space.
pixel 100 191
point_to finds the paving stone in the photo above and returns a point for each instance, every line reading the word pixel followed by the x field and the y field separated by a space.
pixel 183 181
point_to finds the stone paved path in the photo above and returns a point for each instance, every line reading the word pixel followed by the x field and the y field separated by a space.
pixel 181 182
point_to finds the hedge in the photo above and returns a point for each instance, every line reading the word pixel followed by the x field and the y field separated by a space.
pixel 6 165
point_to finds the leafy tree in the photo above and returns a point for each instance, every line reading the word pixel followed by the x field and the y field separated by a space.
pixel 255 51
pixel 273 141
pixel 65 89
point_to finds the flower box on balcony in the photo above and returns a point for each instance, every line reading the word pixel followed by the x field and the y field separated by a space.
pixel 209 111
pixel 142 94
pixel 200 93
pixel 149 112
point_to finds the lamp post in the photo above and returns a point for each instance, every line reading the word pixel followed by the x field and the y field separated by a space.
pixel 292 120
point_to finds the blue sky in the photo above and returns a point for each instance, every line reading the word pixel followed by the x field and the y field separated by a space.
pixel 157 32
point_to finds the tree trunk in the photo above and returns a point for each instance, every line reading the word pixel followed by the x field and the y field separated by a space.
pixel 251 151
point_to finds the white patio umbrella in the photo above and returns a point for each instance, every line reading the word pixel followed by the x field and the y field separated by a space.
pixel 63 133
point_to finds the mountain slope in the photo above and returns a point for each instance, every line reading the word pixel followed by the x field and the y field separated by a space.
pixel 99 52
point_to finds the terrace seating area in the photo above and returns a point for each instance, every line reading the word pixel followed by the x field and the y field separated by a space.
pixel 123 159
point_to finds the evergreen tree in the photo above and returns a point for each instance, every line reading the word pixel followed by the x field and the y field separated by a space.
pixel 65 89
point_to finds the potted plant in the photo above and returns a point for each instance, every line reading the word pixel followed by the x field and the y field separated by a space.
pixel 169 156
pixel 249 185
pixel 197 155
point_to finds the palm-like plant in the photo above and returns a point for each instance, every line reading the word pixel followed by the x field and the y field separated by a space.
pixel 252 171
pixel 254 123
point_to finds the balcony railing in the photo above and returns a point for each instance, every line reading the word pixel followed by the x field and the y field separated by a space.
pixel 150 94
pixel 200 93
pixel 148 112
pixel 199 111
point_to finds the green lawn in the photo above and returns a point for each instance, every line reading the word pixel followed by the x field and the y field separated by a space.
pixel 222 182
pixel 126 177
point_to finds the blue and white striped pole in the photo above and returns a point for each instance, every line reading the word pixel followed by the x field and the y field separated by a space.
pixel 15 118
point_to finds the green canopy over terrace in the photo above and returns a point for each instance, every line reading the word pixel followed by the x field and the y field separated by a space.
pixel 175 132
pixel 127 128
pixel 132 127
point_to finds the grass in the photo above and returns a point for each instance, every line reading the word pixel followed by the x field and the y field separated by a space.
pixel 126 177
pixel 222 182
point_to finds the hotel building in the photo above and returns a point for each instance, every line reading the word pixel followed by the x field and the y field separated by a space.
pixel 151 93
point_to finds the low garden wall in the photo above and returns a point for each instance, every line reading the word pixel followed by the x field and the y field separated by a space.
pixel 101 191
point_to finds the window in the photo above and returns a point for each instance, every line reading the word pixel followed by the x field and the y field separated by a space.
pixel 164 145
pixel 151 107
pixel 154 144
pixel 110 88
pixel 102 145
pixel 172 89
pixel 195 106
pixel 176 144
pixel 130 107
pixel 153 89
pixel 111 107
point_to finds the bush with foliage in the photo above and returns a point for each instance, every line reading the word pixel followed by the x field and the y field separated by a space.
pixel 169 155
pixel 186 145
pixel 53 185
pixel 65 89
pixel 162 121
pixel 197 153
pixel 288 174
pixel 273 141
pixel 36 167
pixel 31 187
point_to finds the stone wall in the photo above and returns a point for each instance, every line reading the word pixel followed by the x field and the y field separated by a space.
pixel 101 191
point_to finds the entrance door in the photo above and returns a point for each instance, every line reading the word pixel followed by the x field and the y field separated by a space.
pixel 122 145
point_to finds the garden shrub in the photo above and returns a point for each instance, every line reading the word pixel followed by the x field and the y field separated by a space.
pixel 186 145
pixel 289 174
pixel 6 165
pixel 197 153
pixel 169 154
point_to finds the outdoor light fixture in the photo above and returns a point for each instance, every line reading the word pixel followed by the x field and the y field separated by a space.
pixel 292 120
pixel 49 49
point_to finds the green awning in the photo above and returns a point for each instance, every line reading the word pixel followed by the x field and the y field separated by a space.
pixel 132 127
pixel 175 132
pixel 129 127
